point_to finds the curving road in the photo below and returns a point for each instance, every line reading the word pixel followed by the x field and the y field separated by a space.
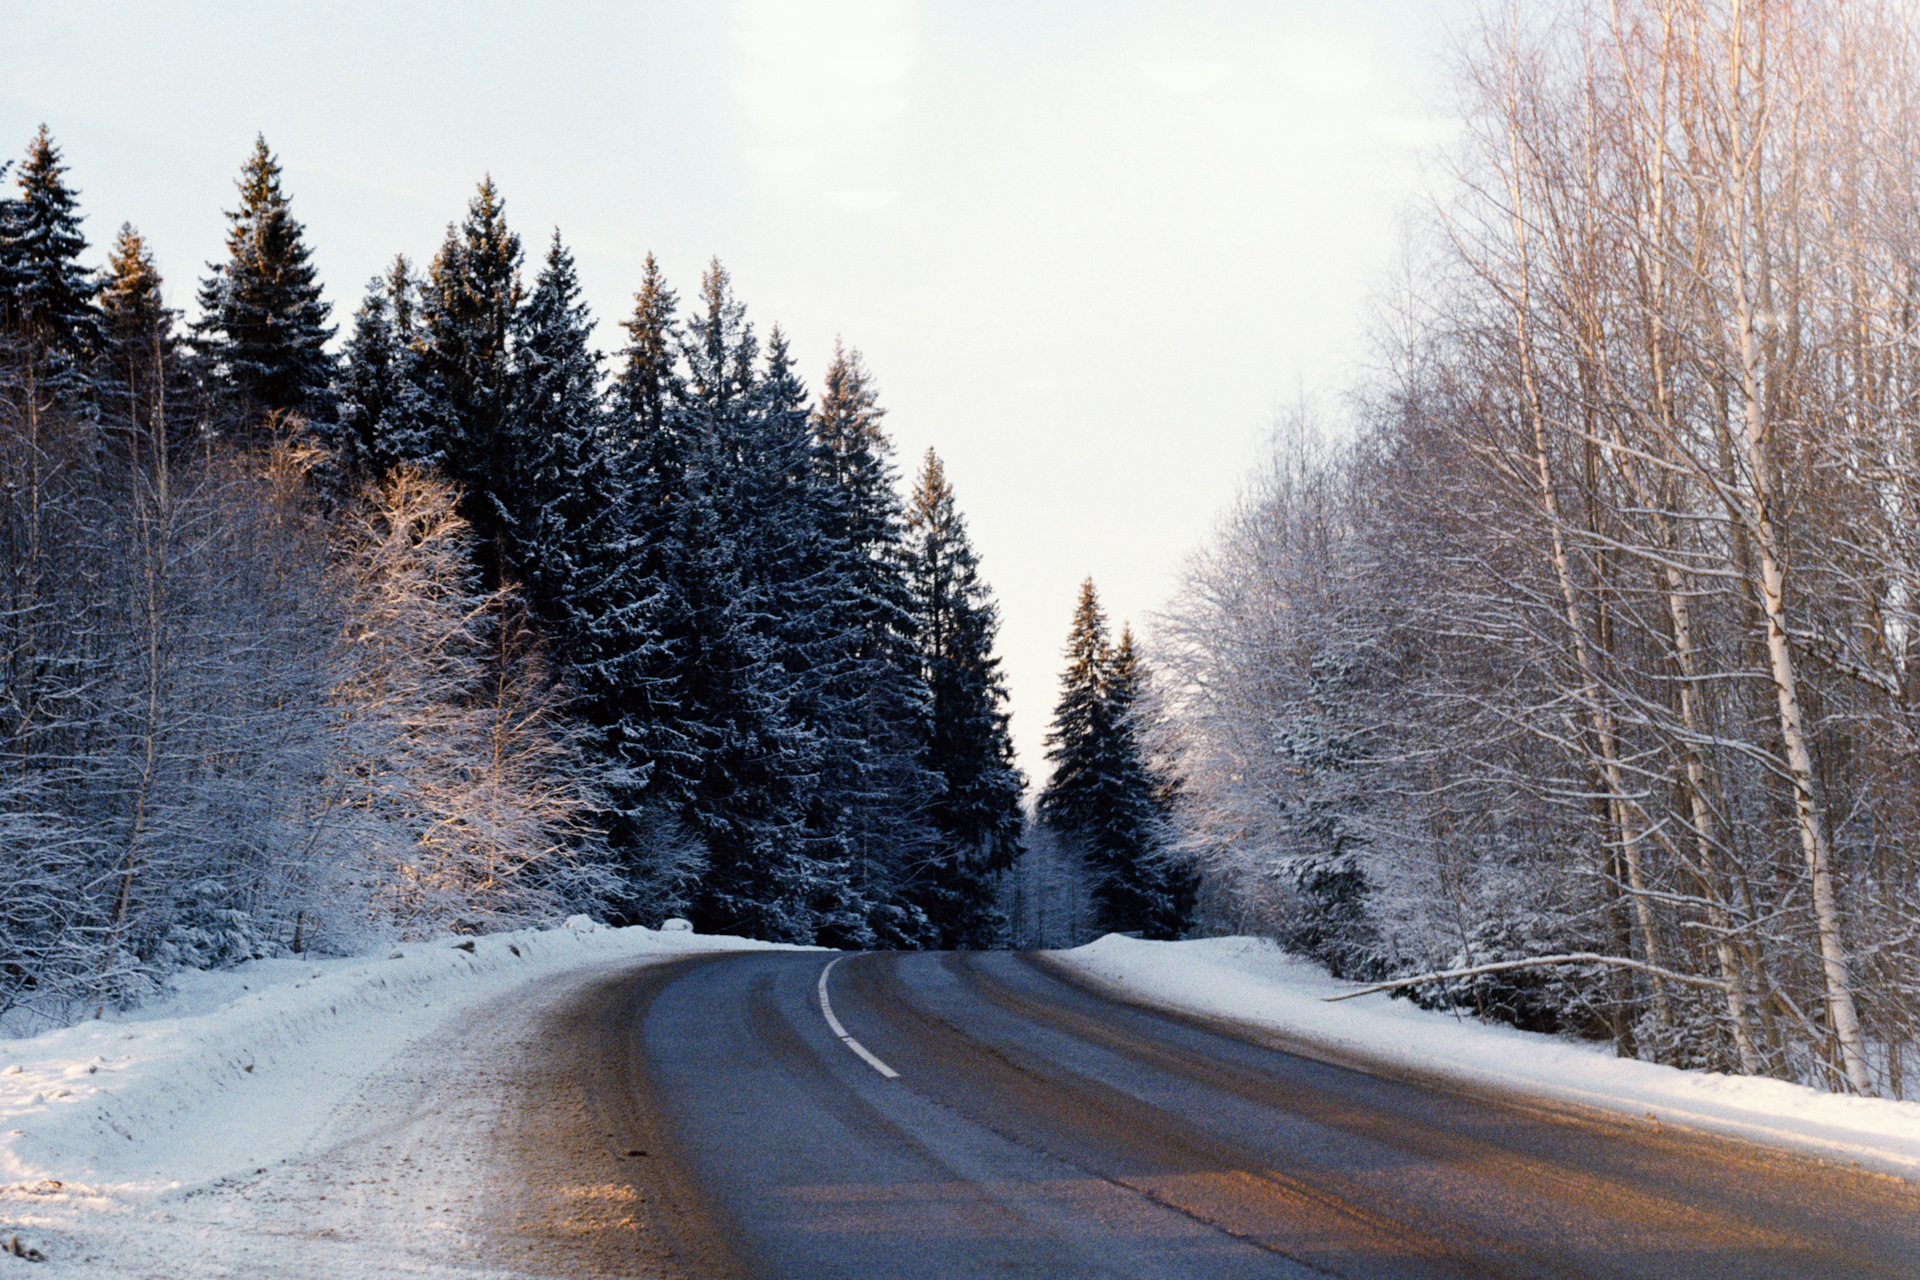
pixel 1031 1127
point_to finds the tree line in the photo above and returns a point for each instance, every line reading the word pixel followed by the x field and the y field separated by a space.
pixel 1576 681
pixel 450 628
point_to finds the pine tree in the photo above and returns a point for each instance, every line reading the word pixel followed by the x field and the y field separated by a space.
pixel 48 329
pixel 46 296
pixel 1080 740
pixel 1137 886
pixel 866 677
pixel 741 767
pixel 263 329
pixel 640 710
pixel 648 381
pixel 1101 795
pixel 381 423
pixel 139 384
pixel 969 746
pixel 467 317
pixel 565 510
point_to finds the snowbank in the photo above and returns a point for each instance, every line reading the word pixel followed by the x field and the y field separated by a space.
pixel 1251 982
pixel 241 1067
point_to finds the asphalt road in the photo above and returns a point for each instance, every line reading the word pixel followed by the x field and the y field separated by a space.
pixel 1036 1128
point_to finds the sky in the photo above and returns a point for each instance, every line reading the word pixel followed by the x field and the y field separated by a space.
pixel 1089 249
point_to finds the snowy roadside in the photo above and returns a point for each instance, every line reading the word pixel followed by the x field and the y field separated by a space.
pixel 126 1144
pixel 1252 983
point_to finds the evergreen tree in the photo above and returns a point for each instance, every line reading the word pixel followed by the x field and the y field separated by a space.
pixel 1137 887
pixel 648 381
pixel 871 693
pixel 1101 795
pixel 46 296
pixel 640 709
pixel 565 511
pixel 794 577
pixel 139 383
pixel 1080 740
pixel 740 767
pixel 467 318
pixel 384 419
pixel 632 630
pixel 263 329
pixel 969 746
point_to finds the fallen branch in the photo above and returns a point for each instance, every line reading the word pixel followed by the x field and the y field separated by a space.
pixel 1536 962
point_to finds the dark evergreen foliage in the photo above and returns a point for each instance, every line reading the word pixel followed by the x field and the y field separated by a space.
pixel 1137 886
pixel 263 329
pixel 140 386
pixel 566 507
pixel 467 316
pixel 738 768
pixel 387 412
pixel 969 747
pixel 874 711
pixel 1102 795
pixel 46 296
pixel 794 723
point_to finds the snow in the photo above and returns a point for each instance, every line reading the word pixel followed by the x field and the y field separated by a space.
pixel 130 1144
pixel 298 1117
pixel 1252 983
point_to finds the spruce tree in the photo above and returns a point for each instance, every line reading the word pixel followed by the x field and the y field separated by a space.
pixel 648 380
pixel 640 709
pixel 374 433
pixel 969 746
pixel 576 548
pixel 565 511
pixel 1102 796
pixel 868 680
pixel 467 316
pixel 1138 887
pixel 743 768
pixel 1079 743
pixel 139 383
pixel 263 330
pixel 46 296
pixel 48 330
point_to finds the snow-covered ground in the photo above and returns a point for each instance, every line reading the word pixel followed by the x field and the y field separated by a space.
pixel 294 1118
pixel 1251 982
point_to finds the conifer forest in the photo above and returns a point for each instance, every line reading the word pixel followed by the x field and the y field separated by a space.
pixel 1565 671
pixel 447 627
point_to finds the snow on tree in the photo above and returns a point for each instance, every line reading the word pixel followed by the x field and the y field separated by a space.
pixel 969 746
pixel 263 328
pixel 865 672
pixel 717 525
pixel 390 410
pixel 1101 794
pixel 458 769
pixel 46 296
pixel 139 382
pixel 467 314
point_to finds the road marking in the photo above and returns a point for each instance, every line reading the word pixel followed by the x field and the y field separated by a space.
pixel 833 1024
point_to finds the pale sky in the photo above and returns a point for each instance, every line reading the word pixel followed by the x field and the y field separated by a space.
pixel 1089 248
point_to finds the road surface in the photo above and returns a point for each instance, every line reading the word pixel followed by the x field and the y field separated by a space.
pixel 975 1115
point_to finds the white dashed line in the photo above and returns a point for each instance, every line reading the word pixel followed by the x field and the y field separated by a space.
pixel 833 1024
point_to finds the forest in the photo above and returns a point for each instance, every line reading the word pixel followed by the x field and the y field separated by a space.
pixel 1569 670
pixel 1564 671
pixel 446 626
